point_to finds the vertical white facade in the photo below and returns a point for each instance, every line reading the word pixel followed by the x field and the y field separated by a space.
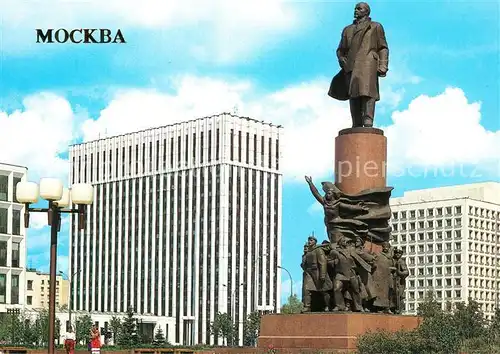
pixel 451 240
pixel 186 222
pixel 12 239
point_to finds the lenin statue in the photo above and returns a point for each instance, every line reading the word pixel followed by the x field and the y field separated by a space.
pixel 363 56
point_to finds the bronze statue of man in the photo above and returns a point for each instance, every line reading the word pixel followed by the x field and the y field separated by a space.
pixel 400 276
pixel 363 56
pixel 346 279
pixel 315 278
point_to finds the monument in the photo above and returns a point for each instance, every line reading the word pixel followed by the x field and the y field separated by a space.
pixel 354 280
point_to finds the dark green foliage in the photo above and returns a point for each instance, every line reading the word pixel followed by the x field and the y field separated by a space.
pixel 115 325
pixel 401 342
pixel 251 329
pixel 469 320
pixel 159 337
pixel 222 326
pixel 128 337
pixel 441 332
pixel 83 325
pixel 294 305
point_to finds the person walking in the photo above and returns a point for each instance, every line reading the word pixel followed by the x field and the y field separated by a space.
pixel 69 341
pixel 95 340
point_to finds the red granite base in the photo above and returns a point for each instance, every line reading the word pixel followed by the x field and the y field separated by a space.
pixel 327 330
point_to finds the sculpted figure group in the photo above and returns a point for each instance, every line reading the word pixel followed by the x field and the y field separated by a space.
pixel 340 274
pixel 345 277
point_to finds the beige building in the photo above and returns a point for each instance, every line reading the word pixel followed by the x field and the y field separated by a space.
pixel 37 290
pixel 451 240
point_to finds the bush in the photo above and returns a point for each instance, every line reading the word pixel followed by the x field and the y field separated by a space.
pixel 401 342
pixel 441 332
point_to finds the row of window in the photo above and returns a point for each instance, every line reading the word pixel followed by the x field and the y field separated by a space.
pixel 483 213
pixel 429 224
pixel 4 188
pixel 445 211
pixel 15 255
pixel 438 271
pixel 109 164
pixel 483 224
pixel 435 282
pixel 430 259
pixel 16 221
pixel 429 236
pixel 447 305
pixel 14 289
pixel 429 212
pixel 448 294
pixel 438 247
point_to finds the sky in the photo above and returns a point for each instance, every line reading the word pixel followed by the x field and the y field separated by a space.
pixel 268 59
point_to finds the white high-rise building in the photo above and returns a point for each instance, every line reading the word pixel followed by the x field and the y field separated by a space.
pixel 451 240
pixel 12 239
pixel 186 222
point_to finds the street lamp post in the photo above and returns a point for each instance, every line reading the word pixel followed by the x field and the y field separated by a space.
pixel 291 281
pixel 52 190
pixel 70 297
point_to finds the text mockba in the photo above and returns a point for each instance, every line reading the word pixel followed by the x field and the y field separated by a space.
pixel 79 35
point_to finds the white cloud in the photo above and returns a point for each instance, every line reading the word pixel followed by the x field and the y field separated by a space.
pixel 315 208
pixel 438 130
pixel 36 135
pixel 444 130
pixel 225 30
pixel 38 221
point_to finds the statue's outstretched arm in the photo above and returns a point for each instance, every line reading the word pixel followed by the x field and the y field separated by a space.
pixel 314 190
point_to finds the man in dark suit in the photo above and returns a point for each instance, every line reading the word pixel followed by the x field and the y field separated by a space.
pixel 363 55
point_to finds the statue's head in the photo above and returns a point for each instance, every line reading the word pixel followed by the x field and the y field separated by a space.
pixel 359 242
pixel 331 192
pixel 343 242
pixel 398 253
pixel 362 9
pixel 311 241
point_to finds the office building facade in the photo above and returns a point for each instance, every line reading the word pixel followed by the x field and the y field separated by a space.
pixel 450 237
pixel 186 222
pixel 12 239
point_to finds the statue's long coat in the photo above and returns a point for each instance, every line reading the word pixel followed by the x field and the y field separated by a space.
pixel 365 49
pixel 383 280
pixel 315 266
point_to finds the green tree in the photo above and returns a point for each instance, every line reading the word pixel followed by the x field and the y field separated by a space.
pixel 251 328
pixel 83 324
pixel 12 324
pixel 159 337
pixel 42 328
pixel 222 326
pixel 128 336
pixel 115 324
pixel 29 331
pixel 494 328
pixel 430 307
pixel 294 305
pixel 469 319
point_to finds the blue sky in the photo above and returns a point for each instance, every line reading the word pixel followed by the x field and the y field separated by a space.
pixel 268 59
